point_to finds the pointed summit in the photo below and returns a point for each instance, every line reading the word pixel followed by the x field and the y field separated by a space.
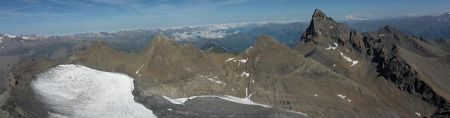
pixel 323 29
pixel 318 14
pixel 264 41
pixel 161 42
pixel 390 29
pixel 267 44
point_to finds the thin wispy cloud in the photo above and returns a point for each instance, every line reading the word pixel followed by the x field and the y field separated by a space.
pixel 356 16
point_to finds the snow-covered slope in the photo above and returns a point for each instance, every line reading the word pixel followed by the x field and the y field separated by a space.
pixel 81 92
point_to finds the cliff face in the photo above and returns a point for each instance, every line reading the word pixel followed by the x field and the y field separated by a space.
pixel 414 66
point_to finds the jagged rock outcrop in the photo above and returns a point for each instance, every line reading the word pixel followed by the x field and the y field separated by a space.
pixel 323 26
pixel 393 54
pixel 22 101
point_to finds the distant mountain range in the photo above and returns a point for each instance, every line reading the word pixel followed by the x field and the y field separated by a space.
pixel 236 37
pixel 430 27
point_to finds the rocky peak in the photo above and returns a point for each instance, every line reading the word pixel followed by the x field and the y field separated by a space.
pixel 318 14
pixel 387 28
pixel 265 41
pixel 392 35
pixel 268 45
pixel 395 53
pixel 98 47
pixel 390 30
pixel 446 14
pixel 163 44
pixel 161 41
pixel 269 53
pixel 324 30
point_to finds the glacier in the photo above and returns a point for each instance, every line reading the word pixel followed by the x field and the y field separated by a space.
pixel 76 91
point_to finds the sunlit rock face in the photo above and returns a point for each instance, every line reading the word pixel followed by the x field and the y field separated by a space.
pixel 81 92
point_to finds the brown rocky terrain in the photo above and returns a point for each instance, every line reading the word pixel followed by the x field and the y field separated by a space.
pixel 413 65
pixel 333 72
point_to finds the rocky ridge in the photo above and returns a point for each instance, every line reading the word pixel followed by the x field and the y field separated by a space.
pixel 392 53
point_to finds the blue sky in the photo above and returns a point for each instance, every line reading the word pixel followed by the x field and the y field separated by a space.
pixel 63 17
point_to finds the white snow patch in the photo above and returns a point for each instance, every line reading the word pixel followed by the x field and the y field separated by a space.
pixel 331 27
pixel 316 95
pixel 330 47
pixel 137 71
pixel 341 96
pixel 10 36
pixel 344 97
pixel 418 114
pixel 301 113
pixel 229 59
pixel 202 76
pixel 178 100
pixel 245 100
pixel 243 60
pixel 239 61
pixel 245 74
pixel 169 109
pixel 82 92
pixel 381 35
pixel 26 38
pixel 216 81
pixel 246 92
pixel 348 59
pixel 334 65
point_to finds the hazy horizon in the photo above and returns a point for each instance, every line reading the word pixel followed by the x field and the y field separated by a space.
pixel 65 17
